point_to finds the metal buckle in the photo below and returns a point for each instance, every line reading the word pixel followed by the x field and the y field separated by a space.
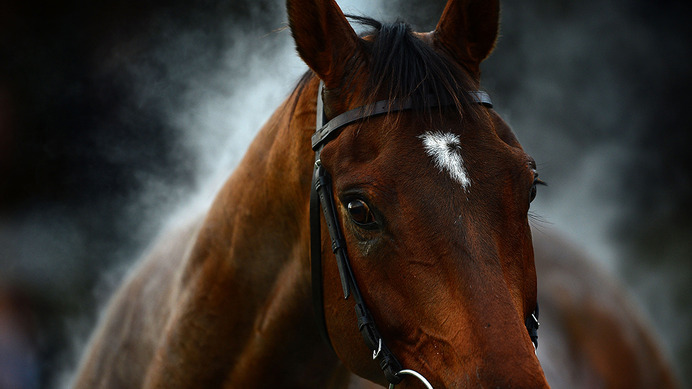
pixel 375 354
pixel 415 374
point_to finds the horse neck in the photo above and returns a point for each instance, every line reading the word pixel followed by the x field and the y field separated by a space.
pixel 258 229
pixel 268 194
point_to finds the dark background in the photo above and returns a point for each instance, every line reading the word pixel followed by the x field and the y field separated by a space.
pixel 113 117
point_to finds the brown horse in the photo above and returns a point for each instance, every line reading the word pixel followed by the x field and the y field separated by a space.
pixel 425 193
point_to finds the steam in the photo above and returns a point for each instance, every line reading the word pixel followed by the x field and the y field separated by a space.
pixel 559 81
pixel 222 107
pixel 212 91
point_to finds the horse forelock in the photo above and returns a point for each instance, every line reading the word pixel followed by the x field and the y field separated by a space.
pixel 402 66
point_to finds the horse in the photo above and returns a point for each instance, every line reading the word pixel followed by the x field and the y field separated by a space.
pixel 384 184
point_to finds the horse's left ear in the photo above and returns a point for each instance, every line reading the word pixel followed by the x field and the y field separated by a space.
pixel 467 30
pixel 324 38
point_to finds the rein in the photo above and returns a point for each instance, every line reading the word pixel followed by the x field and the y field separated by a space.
pixel 321 196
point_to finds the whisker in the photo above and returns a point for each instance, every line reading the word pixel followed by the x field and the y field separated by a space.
pixel 539 222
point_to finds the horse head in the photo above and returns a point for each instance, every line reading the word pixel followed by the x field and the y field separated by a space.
pixel 430 192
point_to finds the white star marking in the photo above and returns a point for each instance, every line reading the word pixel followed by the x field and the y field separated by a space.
pixel 445 150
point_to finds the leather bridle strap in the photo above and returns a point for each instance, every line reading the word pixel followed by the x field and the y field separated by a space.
pixel 324 132
pixel 366 324
pixel 532 325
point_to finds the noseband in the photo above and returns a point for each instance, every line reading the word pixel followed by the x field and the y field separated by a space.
pixel 321 196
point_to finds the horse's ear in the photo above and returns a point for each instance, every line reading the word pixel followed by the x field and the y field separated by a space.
pixel 324 38
pixel 467 30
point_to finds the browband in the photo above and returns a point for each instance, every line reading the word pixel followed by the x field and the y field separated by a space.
pixel 324 132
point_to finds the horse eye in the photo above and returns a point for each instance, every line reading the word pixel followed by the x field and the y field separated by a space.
pixel 536 182
pixel 360 214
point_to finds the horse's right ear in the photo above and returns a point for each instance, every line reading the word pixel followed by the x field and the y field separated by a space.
pixel 324 38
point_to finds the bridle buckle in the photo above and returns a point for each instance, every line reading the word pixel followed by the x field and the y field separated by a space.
pixel 375 354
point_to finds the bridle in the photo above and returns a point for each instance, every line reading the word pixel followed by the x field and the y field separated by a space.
pixel 321 196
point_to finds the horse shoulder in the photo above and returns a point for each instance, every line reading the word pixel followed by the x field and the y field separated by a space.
pixel 592 332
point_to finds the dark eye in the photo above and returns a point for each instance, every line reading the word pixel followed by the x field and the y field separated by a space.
pixel 360 214
pixel 536 182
